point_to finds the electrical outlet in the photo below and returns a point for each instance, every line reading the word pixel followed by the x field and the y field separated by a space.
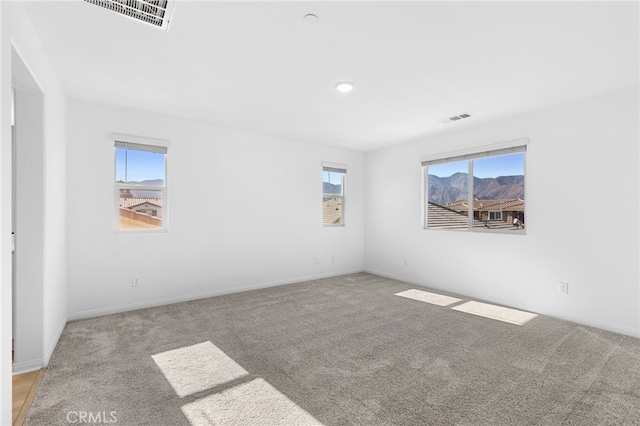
pixel 333 257
pixel 317 260
pixel 406 263
pixel 564 288
pixel 135 282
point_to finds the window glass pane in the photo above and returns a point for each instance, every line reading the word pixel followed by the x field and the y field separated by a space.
pixel 498 192
pixel 121 161
pixel 333 198
pixel 332 182
pixel 331 210
pixel 140 209
pixel 447 189
pixel 140 167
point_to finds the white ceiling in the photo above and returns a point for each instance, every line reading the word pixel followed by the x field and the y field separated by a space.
pixel 257 66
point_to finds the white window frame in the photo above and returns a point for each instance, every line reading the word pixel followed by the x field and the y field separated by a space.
pixel 338 168
pixel 140 144
pixel 504 148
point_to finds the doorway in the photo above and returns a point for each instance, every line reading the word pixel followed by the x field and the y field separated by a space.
pixel 27 207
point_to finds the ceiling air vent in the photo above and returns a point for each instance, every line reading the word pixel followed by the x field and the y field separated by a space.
pixel 454 118
pixel 154 12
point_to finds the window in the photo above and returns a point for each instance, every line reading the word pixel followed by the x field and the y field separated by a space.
pixel 140 186
pixel 492 200
pixel 333 179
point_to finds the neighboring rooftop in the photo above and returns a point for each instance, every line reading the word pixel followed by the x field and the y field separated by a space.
pixel 445 218
pixel 511 205
pixel 454 215
pixel 127 203
pixel 332 211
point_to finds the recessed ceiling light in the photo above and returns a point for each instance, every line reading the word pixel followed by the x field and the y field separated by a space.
pixel 345 86
pixel 310 18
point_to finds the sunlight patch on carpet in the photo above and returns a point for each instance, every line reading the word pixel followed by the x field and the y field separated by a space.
pixel 425 296
pixel 255 403
pixel 196 368
pixel 512 316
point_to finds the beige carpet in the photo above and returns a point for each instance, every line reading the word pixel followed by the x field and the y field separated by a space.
pixel 196 368
pixel 338 351
pixel 203 367
pixel 499 313
pixel 255 403
pixel 428 297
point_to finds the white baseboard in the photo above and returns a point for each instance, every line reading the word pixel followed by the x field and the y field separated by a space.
pixel 628 331
pixel 38 363
pixel 54 343
pixel 202 295
pixel 28 366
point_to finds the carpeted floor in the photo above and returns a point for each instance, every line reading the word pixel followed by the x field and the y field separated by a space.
pixel 338 351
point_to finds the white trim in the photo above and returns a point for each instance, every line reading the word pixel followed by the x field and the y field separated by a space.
pixel 424 197
pixel 335 165
pixel 140 231
pixel 28 366
pixel 475 150
pixel 119 137
pixel 158 149
pixel 203 295
pixel 471 205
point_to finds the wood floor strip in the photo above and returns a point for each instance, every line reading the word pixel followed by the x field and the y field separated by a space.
pixel 21 399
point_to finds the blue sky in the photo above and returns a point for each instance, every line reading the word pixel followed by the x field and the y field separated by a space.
pixel 501 165
pixel 332 177
pixel 141 165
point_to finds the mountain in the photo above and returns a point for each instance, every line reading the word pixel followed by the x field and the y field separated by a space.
pixel 147 193
pixel 456 180
pixel 500 188
pixel 447 189
pixel 149 182
pixel 330 188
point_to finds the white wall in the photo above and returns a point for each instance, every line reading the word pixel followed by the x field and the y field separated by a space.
pixel 243 211
pixel 582 217
pixel 6 296
pixel 29 228
pixel 18 34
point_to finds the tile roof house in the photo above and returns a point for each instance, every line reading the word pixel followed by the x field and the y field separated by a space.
pixel 487 213
pixel 149 206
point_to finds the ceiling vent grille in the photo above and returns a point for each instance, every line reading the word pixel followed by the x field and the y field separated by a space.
pixel 155 12
pixel 454 118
